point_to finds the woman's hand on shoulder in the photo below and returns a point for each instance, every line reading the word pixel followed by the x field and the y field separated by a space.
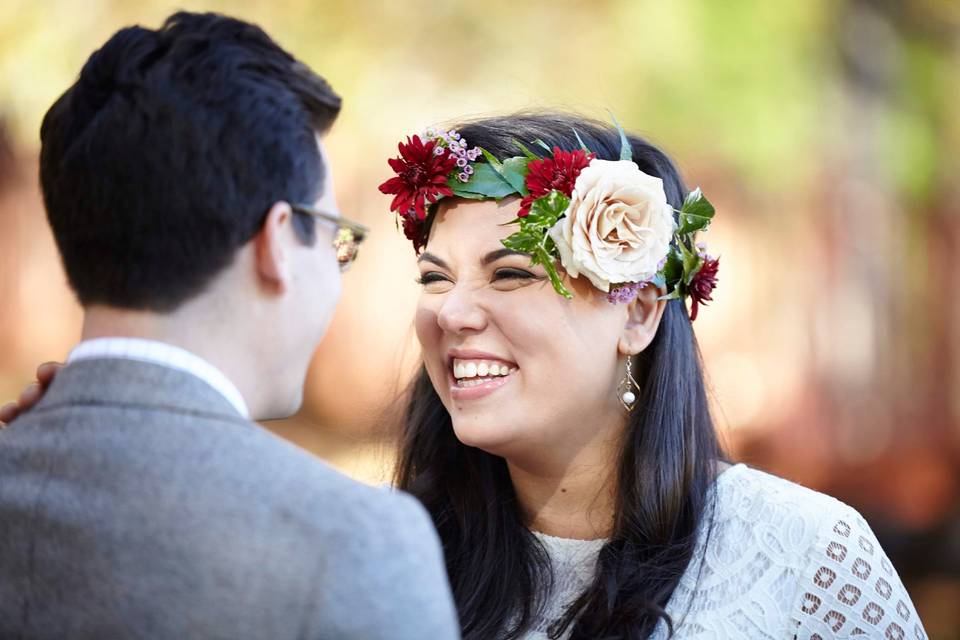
pixel 31 395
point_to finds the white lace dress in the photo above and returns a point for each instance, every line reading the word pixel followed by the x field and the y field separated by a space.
pixel 781 561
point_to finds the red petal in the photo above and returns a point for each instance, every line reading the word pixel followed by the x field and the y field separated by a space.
pixel 393 185
pixel 418 205
pixel 401 203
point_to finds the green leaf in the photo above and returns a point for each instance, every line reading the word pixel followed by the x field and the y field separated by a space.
pixel 515 172
pixel 533 237
pixel 551 268
pixel 523 241
pixel 543 144
pixel 486 182
pixel 580 140
pixel 492 159
pixel 626 151
pixel 673 295
pixel 673 269
pixel 696 213
pixel 460 193
pixel 545 211
pixel 512 170
pixel 530 155
pixel 691 263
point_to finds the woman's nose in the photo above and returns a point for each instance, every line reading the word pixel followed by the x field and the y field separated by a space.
pixel 461 312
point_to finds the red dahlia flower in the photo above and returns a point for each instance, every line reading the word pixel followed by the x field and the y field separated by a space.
pixel 421 176
pixel 413 229
pixel 559 172
pixel 702 285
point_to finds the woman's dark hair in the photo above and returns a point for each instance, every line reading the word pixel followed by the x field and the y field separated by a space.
pixel 499 571
pixel 168 151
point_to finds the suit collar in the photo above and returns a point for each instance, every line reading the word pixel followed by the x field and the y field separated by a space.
pixel 131 383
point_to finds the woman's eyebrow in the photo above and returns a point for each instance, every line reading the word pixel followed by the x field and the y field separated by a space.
pixel 429 257
pixel 501 253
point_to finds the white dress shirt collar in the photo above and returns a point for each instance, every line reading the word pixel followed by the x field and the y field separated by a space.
pixel 165 355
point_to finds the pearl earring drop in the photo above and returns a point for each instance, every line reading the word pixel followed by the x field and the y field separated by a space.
pixel 625 390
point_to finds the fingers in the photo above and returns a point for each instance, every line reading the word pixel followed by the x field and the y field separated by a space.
pixel 8 412
pixel 47 372
pixel 30 395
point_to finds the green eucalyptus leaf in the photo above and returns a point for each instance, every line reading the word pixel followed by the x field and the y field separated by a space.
pixel 696 213
pixel 487 182
pixel 470 195
pixel 492 159
pixel 626 150
pixel 515 172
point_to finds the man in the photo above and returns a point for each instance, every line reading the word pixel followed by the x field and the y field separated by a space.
pixel 186 185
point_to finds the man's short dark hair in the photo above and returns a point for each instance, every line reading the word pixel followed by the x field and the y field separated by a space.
pixel 167 153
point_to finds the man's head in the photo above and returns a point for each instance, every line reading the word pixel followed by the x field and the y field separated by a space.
pixel 166 171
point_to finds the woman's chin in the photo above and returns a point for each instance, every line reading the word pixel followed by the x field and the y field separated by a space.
pixel 492 439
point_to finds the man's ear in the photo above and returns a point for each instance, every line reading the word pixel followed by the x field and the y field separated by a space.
pixel 271 250
pixel 643 319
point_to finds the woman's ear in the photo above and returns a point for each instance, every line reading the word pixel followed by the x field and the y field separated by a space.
pixel 270 248
pixel 643 319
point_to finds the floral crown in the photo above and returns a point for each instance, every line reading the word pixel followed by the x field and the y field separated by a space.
pixel 605 219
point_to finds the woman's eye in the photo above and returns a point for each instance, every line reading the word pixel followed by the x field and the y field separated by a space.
pixel 508 279
pixel 512 274
pixel 432 276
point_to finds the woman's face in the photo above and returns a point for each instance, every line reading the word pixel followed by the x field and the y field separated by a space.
pixel 520 369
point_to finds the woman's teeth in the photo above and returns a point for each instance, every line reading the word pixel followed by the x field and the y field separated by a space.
pixel 470 372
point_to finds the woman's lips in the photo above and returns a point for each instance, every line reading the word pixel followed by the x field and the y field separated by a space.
pixel 476 374
pixel 474 388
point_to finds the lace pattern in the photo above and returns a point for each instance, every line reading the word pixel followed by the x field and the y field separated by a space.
pixel 850 588
pixel 779 561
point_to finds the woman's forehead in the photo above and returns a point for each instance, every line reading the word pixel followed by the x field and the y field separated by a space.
pixel 468 222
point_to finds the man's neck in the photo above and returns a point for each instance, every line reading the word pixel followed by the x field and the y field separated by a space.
pixel 212 343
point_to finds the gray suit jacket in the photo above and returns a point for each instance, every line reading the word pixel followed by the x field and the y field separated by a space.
pixel 135 502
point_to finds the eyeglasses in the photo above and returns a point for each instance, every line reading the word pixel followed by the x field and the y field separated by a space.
pixel 349 234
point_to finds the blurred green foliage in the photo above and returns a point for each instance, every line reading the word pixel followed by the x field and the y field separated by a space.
pixel 751 86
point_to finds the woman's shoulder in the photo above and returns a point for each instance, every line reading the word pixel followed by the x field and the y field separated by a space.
pixel 813 554
pixel 745 489
pixel 792 525
pixel 761 518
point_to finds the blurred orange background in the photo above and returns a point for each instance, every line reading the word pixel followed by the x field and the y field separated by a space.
pixel 827 133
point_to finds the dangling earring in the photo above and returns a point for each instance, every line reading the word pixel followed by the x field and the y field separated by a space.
pixel 625 390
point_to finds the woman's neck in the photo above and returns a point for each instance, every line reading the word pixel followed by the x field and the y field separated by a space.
pixel 576 501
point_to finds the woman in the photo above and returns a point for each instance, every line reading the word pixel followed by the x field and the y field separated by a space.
pixel 558 430
pixel 570 501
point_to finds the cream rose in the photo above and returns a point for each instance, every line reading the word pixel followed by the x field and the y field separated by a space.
pixel 618 226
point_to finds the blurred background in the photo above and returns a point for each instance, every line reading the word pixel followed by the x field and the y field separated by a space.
pixel 826 132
